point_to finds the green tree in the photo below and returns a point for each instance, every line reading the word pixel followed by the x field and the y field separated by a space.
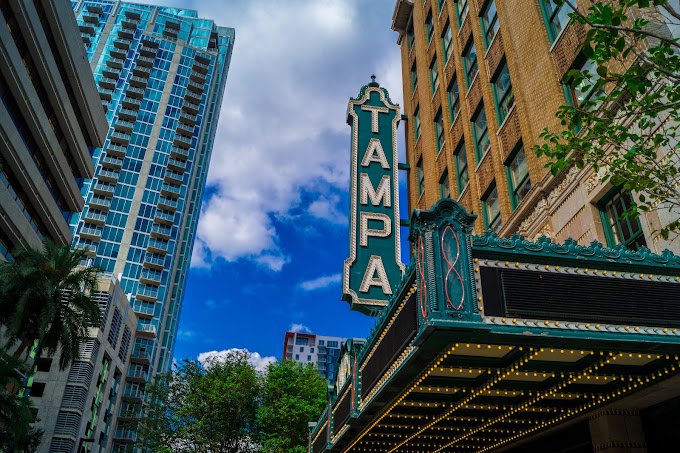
pixel 197 408
pixel 627 130
pixel 16 413
pixel 46 299
pixel 293 395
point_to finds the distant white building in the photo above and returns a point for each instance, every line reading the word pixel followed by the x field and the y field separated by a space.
pixel 319 350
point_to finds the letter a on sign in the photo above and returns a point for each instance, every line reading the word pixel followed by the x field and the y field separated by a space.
pixel 374 268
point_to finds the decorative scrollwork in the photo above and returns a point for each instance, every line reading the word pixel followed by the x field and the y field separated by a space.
pixel 422 283
pixel 451 267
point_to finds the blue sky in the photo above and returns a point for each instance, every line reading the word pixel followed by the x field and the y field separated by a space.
pixel 273 232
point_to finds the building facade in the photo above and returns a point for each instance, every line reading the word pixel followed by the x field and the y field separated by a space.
pixel 78 407
pixel 308 348
pixel 50 122
pixel 481 80
pixel 161 75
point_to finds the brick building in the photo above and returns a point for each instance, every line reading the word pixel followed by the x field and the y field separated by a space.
pixel 482 79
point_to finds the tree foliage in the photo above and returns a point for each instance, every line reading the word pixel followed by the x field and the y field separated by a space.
pixel 16 413
pixel 293 395
pixel 228 406
pixel 627 130
pixel 202 409
pixel 46 296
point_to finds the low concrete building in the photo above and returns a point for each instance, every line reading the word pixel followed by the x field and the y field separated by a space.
pixel 78 407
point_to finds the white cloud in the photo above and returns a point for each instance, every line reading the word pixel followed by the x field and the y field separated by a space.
pixel 282 130
pixel 260 363
pixel 320 282
pixel 299 328
pixel 186 334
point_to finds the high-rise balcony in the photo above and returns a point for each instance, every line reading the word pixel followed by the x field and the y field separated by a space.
pixel 161 231
pixel 174 179
pixel 167 218
pixel 86 38
pixel 120 138
pixel 113 73
pixel 86 28
pixel 150 277
pixel 126 33
pixel 147 50
pixel 197 77
pixel 182 142
pixel 91 232
pixel 90 17
pixel 170 190
pixel 200 67
pixel 187 118
pixel 146 330
pixel 100 203
pixel 115 62
pixel 112 163
pixel 187 131
pixel 127 114
pixel 108 176
pixel 131 103
pixel 116 150
pixel 195 87
pixel 157 246
pixel 146 310
pixel 140 356
pixel 87 246
pixel 170 34
pixel 167 204
pixel 118 53
pixel 122 43
pixel 105 94
pixel 134 92
pixel 190 107
pixel 123 126
pixel 95 9
pixel 105 189
pixel 139 82
pixel 148 293
pixel 131 394
pixel 179 166
pixel 107 83
pixel 153 261
pixel 179 152
pixel 192 97
pixel 137 374
pixel 145 61
pixel 141 71
pixel 130 23
pixel 105 105
pixel 125 434
pixel 95 216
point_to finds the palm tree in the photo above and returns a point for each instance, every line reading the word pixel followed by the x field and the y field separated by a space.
pixel 46 300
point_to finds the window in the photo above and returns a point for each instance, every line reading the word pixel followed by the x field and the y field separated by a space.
pixel 312 350
pixel 44 364
pixel 556 17
pixel 297 356
pixel 470 63
pixel 416 123
pixel 454 98
pixel 586 88
pixel 447 42
pixel 410 37
pixel 301 341
pixel 461 11
pixel 429 27
pixel 434 75
pixel 489 22
pixel 518 176
pixel 37 389
pixel 302 349
pixel 491 209
pixel 309 358
pixel 502 93
pixel 439 130
pixel 620 229
pixel 321 342
pixel 480 131
pixel 420 174
pixel 444 188
pixel 414 77
pixel 462 176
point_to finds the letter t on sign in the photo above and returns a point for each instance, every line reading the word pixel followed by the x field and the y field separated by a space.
pixel 374 115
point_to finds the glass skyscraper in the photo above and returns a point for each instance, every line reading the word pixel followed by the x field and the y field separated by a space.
pixel 161 74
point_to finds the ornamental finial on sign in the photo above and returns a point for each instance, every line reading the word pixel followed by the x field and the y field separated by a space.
pixel 373 82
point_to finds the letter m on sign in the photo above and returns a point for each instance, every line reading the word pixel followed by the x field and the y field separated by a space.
pixel 374 267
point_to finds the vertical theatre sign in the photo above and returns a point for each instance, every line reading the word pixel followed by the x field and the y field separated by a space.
pixel 373 269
